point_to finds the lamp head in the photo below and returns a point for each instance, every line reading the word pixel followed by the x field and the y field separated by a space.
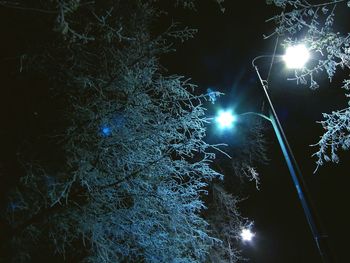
pixel 225 119
pixel 296 56
pixel 246 234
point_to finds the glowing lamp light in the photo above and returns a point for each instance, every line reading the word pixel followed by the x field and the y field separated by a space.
pixel 106 131
pixel 296 56
pixel 225 119
pixel 246 234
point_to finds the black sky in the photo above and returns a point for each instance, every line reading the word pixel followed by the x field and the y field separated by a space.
pixel 220 58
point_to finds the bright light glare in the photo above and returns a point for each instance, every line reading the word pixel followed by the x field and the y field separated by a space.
pixel 246 235
pixel 296 56
pixel 225 119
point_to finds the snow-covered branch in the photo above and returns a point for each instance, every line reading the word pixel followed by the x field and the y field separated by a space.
pixel 313 25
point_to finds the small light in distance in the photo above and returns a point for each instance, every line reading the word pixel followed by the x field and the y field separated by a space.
pixel 225 119
pixel 246 234
pixel 106 131
pixel 296 56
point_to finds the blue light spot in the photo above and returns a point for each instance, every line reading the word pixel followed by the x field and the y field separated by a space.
pixel 212 95
pixel 106 131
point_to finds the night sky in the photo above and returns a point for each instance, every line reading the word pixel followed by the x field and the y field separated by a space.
pixel 220 58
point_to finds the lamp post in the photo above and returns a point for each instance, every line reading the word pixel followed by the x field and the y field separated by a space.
pixel 226 119
pixel 304 197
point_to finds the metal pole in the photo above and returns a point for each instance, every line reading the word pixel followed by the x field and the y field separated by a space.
pixel 320 239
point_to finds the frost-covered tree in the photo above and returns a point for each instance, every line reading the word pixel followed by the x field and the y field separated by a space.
pixel 223 215
pixel 226 224
pixel 315 24
pixel 251 151
pixel 130 165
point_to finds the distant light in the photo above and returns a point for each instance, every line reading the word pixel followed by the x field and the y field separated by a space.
pixel 225 119
pixel 246 234
pixel 296 56
pixel 212 95
pixel 106 131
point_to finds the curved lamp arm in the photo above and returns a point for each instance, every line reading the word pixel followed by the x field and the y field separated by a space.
pixel 264 56
pixel 256 114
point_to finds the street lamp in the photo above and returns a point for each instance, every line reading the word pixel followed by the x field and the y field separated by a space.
pixel 225 119
pixel 246 234
pixel 295 57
